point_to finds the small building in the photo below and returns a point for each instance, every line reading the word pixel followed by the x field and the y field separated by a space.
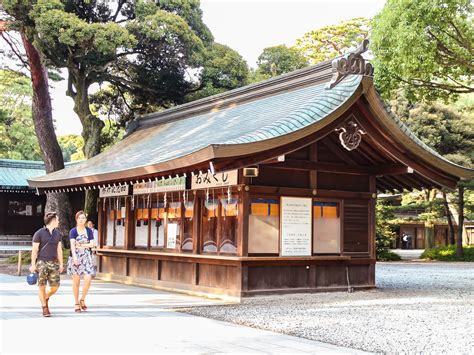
pixel 411 224
pixel 269 188
pixel 21 208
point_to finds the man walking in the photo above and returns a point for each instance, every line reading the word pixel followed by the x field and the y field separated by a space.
pixel 47 259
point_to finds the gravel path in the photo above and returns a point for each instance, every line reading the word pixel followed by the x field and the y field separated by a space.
pixel 417 308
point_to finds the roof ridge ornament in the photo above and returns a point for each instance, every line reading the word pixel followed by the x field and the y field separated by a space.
pixel 352 63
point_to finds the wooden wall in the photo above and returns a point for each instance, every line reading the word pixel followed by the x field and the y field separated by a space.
pixel 245 275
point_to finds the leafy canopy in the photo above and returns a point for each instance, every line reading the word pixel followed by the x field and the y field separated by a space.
pixel 425 46
pixel 331 41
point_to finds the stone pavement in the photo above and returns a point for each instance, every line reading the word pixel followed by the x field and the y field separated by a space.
pixel 128 319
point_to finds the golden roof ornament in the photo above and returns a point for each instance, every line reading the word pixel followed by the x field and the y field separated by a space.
pixel 353 63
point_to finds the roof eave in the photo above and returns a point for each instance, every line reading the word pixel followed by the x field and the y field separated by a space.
pixel 389 121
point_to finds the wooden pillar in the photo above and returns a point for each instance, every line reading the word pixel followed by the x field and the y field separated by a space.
pixel 197 225
pixel 130 225
pixel 243 223
pixel 3 212
pixel 100 221
pixel 372 217
pixel 313 174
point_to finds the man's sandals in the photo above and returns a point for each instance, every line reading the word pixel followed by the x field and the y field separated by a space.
pixel 46 312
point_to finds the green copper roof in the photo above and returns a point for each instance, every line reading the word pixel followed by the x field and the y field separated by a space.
pixel 260 119
pixel 14 173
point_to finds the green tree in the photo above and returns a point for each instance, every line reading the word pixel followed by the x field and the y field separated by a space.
pixel 385 234
pixel 424 46
pixel 143 48
pixel 223 69
pixel 71 146
pixel 449 132
pixel 17 132
pixel 278 60
pixel 330 41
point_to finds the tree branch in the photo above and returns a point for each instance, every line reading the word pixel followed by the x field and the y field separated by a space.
pixel 127 84
pixel 119 7
pixel 7 38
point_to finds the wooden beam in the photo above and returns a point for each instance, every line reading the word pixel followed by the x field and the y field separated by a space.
pixel 342 168
pixel 392 170
pixel 313 157
pixel 295 191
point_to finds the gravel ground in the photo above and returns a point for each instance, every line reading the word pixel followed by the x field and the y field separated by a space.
pixel 417 308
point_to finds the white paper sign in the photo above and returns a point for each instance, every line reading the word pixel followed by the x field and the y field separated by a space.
pixel 172 232
pixel 207 180
pixel 162 185
pixel 296 226
pixel 114 191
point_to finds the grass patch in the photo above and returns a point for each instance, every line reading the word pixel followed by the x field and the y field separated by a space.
pixel 448 253
pixel 26 257
pixel 388 256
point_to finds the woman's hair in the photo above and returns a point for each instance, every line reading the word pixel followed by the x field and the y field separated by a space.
pixel 48 217
pixel 79 213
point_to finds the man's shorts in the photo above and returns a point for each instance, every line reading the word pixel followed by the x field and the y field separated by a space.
pixel 48 271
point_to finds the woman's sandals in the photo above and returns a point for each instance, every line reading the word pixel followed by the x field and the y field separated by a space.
pixel 83 305
pixel 77 308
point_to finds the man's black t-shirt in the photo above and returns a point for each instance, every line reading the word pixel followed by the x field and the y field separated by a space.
pixel 50 251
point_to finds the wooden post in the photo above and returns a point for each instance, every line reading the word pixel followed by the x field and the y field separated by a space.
pixel 372 217
pixel 313 157
pixel 19 262
pixel 243 225
pixel 129 238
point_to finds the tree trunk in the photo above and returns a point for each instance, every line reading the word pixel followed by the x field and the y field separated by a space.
pixel 452 239
pixel 459 249
pixel 91 130
pixel 429 234
pixel 43 121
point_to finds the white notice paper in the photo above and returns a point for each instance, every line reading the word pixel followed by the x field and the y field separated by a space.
pixel 295 226
pixel 172 232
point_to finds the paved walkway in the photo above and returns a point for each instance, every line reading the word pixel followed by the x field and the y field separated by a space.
pixel 128 319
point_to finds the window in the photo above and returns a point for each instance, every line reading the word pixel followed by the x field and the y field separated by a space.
pixel 264 226
pixel 25 208
pixel 209 225
pixel 188 222
pixel 115 226
pixel 120 215
pixel 229 213
pixel 110 228
pixel 158 226
pixel 141 226
pixel 326 227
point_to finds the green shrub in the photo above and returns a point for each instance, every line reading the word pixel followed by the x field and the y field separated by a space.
pixel 26 257
pixel 388 256
pixel 448 253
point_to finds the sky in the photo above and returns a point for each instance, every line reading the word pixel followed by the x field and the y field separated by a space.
pixel 247 26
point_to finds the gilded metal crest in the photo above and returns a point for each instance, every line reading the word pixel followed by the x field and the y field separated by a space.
pixel 350 134
pixel 353 63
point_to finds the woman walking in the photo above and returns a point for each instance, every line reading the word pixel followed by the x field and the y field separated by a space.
pixel 80 259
